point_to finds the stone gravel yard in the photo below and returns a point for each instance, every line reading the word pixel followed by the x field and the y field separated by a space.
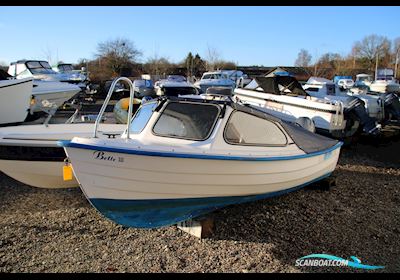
pixel 58 230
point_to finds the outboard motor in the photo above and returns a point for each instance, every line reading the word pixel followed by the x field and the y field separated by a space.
pixel 368 124
pixel 392 104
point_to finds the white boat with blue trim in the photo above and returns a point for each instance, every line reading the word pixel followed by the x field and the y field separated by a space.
pixel 182 157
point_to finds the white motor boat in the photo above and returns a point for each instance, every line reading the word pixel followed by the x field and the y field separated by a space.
pixel 182 157
pixel 41 70
pixel 284 97
pixel 321 88
pixel 385 86
pixel 215 79
pixel 70 75
pixel 174 85
pixel 50 89
pixel 15 100
pixel 29 153
pixel 380 86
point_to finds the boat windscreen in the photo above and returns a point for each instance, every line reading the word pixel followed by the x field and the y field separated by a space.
pixel 65 67
pixel 190 121
pixel 282 85
pixel 39 67
pixel 175 91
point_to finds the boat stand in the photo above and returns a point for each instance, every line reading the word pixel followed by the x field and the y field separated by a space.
pixel 50 111
pixel 201 227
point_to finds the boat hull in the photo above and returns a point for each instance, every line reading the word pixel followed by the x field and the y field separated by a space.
pixel 40 174
pixel 323 115
pixel 148 190
pixel 29 153
pixel 15 98
pixel 49 94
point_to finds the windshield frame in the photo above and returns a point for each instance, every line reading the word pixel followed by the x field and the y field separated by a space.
pixel 211 130
pixel 42 69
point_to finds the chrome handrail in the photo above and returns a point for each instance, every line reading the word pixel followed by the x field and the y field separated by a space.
pixel 107 100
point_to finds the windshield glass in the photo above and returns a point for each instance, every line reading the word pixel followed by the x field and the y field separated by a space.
pixel 189 121
pixel 213 76
pixel 177 78
pixel 366 78
pixel 65 67
pixel 39 67
pixel 141 117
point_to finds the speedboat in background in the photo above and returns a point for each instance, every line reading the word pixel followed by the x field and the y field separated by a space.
pixel 380 86
pixel 183 157
pixel 41 70
pixel 214 79
pixel 174 85
pixel 15 100
pixel 284 97
pixel 70 75
pixel 45 96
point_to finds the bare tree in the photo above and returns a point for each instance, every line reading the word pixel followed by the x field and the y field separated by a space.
pixel 213 57
pixel 48 54
pixel 117 54
pixel 157 65
pixel 303 58
pixel 371 47
pixel 396 52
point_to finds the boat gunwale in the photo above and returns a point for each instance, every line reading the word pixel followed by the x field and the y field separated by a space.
pixel 71 144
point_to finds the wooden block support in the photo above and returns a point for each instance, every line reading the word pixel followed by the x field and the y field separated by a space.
pixel 324 184
pixel 200 227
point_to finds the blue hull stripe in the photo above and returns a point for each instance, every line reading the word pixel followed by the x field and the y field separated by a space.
pixel 163 212
pixel 67 143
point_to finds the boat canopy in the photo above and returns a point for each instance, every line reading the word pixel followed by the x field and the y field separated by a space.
pixel 307 141
pixel 282 85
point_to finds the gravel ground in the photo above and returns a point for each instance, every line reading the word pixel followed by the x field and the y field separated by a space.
pixel 58 231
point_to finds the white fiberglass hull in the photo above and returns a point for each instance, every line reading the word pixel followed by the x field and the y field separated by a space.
pixel 30 154
pixel 49 94
pixel 15 98
pixel 123 183
pixel 384 87
pixel 325 116
pixel 41 174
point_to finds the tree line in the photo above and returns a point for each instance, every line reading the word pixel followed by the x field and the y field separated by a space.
pixel 373 50
pixel 120 56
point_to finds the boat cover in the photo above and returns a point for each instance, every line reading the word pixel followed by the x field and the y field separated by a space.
pixel 271 85
pixel 306 140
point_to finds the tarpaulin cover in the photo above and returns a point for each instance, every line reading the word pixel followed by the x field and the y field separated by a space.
pixel 271 85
